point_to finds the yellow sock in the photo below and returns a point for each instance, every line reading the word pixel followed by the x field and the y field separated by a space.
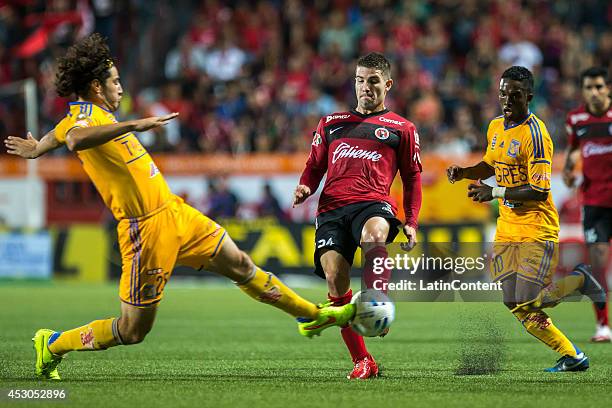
pixel 555 292
pixel 539 325
pixel 97 335
pixel 267 288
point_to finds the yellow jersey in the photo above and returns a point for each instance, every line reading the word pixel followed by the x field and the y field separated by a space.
pixel 122 170
pixel 522 154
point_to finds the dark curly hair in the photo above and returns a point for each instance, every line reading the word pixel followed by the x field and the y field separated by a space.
pixel 378 61
pixel 521 74
pixel 85 61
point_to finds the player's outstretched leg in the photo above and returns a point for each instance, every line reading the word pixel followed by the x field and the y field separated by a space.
pixel 265 287
pixel 539 324
pixel 51 345
pixel 580 279
pixel 599 255
pixel 130 328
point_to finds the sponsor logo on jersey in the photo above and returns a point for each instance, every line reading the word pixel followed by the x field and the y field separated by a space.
pixel 595 149
pixel 513 149
pixel 395 122
pixel 417 139
pixel 537 177
pixel 154 271
pixel 381 133
pixel 333 130
pixel 510 175
pixel 329 118
pixel 494 141
pixel 316 140
pixel 581 132
pixel 153 170
pixel 578 117
pixel 345 150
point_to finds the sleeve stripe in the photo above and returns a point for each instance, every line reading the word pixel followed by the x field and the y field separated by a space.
pixel 540 161
pixel 544 190
pixel 540 141
pixel 533 138
pixel 536 137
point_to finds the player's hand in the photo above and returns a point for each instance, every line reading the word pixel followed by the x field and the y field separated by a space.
pixel 301 193
pixel 141 125
pixel 569 178
pixel 410 233
pixel 19 146
pixel 454 173
pixel 480 192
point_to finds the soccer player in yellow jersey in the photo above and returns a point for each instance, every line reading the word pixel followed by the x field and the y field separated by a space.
pixel 156 230
pixel 519 154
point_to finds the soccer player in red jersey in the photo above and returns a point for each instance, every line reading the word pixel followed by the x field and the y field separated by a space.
pixel 361 151
pixel 589 128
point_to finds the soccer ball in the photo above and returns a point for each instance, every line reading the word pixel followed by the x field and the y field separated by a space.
pixel 374 312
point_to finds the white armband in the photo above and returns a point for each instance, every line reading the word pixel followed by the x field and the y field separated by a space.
pixel 498 192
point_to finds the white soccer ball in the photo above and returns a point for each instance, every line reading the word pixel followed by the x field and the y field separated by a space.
pixel 374 312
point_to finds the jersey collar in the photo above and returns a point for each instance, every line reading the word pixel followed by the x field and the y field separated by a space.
pixel 363 115
pixel 517 124
pixel 88 103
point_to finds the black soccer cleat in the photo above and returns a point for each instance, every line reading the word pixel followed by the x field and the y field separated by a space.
pixel 591 287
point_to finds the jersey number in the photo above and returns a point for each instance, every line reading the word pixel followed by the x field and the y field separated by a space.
pixel 322 243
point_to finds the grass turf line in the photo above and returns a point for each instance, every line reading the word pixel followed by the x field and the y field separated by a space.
pixel 217 347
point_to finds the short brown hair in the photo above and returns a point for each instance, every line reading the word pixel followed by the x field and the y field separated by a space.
pixel 376 61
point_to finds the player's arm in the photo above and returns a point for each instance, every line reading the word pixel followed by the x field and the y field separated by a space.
pixel 81 138
pixel 30 148
pixel 410 172
pixel 482 170
pixel 571 156
pixel 481 192
pixel 315 168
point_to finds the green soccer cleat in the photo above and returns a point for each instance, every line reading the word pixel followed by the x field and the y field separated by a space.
pixel 328 316
pixel 46 362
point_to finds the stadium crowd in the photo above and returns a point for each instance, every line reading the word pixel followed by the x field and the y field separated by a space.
pixel 255 76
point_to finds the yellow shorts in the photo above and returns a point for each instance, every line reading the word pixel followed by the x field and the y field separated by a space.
pixel 531 261
pixel 152 245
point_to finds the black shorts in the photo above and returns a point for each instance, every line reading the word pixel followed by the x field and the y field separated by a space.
pixel 597 224
pixel 340 229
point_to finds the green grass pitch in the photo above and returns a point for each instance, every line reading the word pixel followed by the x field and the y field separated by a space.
pixel 213 346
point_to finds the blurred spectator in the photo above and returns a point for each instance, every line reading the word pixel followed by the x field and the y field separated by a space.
pixel 251 76
pixel 269 205
pixel 222 202
pixel 225 61
pixel 520 51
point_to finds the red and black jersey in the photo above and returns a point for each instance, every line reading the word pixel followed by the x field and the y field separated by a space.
pixel 593 135
pixel 361 155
